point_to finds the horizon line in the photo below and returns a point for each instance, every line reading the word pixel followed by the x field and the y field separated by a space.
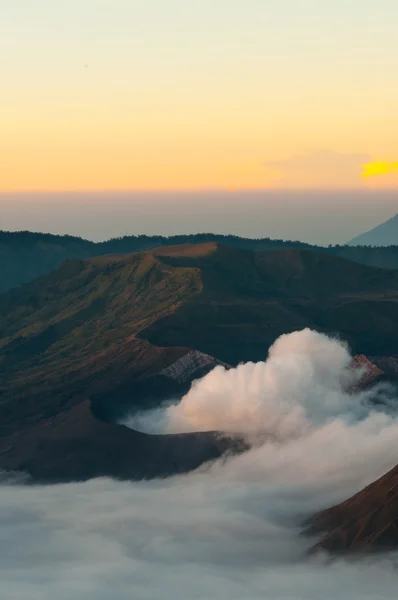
pixel 196 190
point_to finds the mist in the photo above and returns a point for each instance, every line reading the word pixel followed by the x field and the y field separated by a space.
pixel 315 216
pixel 233 528
pixel 198 537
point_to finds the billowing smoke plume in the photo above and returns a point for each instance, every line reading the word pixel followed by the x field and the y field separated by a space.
pixel 306 382
pixel 232 529
pixel 301 383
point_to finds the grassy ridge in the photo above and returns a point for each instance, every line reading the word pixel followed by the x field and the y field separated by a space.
pixel 26 255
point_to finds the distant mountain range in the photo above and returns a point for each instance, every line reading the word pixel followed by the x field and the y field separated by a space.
pixel 385 234
pixel 26 255
pixel 103 336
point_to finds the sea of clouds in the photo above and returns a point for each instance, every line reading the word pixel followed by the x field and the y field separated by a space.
pixel 233 528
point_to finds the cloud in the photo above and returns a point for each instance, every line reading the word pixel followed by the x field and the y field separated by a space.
pixel 319 168
pixel 379 168
pixel 278 399
pixel 232 529
pixel 197 537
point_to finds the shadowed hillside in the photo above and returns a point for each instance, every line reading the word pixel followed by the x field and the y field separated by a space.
pixel 25 255
pixel 249 299
pixel 366 522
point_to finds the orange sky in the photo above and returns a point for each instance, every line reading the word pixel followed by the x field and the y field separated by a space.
pixel 242 95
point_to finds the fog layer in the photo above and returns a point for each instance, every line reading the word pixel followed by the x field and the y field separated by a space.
pixel 232 529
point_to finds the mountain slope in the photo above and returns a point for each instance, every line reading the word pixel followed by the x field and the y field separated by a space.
pixel 385 234
pixel 366 522
pixel 26 255
pixel 99 337
pixel 250 299
pixel 72 334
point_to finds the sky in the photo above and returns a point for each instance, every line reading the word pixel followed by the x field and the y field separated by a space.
pixel 218 94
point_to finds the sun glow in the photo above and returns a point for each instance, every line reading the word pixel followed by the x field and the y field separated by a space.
pixel 379 168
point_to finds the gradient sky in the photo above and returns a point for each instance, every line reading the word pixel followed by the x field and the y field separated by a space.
pixel 167 94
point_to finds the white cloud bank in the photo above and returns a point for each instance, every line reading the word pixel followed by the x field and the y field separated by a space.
pixel 230 530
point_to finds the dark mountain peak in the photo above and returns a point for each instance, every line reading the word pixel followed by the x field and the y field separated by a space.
pixel 385 234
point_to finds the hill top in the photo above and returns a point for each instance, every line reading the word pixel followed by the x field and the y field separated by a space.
pixel 26 255
pixel 385 234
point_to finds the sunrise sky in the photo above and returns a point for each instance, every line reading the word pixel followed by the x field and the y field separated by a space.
pixel 170 94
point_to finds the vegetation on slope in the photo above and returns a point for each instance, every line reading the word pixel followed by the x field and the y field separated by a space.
pixel 26 255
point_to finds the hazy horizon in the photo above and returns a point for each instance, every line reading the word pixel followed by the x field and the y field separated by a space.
pixel 313 216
